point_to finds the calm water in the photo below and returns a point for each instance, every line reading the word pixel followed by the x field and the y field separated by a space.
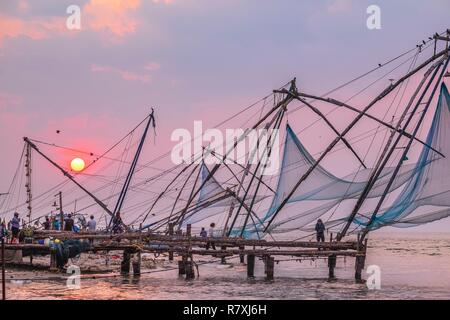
pixel 413 266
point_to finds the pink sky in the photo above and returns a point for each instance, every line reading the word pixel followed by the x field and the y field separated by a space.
pixel 191 59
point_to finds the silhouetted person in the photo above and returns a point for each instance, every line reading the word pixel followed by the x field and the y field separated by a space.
pixel 211 235
pixel 68 223
pixel 47 223
pixel 15 228
pixel 92 224
pixel 320 231
pixel 117 223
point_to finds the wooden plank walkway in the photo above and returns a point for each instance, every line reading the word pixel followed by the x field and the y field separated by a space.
pixel 132 244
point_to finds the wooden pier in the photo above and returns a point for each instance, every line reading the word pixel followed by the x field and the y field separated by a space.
pixel 132 244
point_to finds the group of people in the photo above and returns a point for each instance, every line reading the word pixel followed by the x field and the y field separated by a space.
pixel 54 223
pixel 209 234
pixel 319 228
pixel 12 229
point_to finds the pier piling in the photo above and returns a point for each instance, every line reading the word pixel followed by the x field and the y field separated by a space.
pixel 136 262
pixel 269 263
pixel 331 265
pixel 250 266
pixel 125 265
pixel 182 266
pixel 360 261
pixel 359 266
pixel 53 262
pixel 170 234
pixel 223 260
pixel 241 256
pixel 188 230
pixel 189 266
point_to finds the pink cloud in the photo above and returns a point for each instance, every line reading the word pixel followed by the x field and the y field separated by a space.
pixel 163 1
pixel 9 100
pixel 338 6
pixel 152 66
pixel 124 74
pixel 36 29
pixel 23 6
pixel 112 16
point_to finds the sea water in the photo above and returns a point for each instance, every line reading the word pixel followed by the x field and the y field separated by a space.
pixel 412 265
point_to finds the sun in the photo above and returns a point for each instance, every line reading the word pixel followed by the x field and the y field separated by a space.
pixel 77 164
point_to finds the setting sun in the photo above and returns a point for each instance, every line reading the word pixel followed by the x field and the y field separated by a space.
pixel 77 164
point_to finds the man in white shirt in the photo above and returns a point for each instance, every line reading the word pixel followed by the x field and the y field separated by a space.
pixel 92 224
pixel 211 235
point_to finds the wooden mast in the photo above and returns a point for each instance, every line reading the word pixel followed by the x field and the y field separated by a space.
pixel 123 192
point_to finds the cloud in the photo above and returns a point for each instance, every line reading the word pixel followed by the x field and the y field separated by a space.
pixel 126 75
pixel 112 16
pixel 152 66
pixel 163 1
pixel 339 6
pixel 23 6
pixel 9 100
pixel 36 29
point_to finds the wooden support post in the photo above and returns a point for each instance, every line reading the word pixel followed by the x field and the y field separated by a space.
pixel 125 265
pixel 269 263
pixel 360 261
pixel 358 240
pixel 170 234
pixel 137 264
pixel 241 256
pixel 359 266
pixel 190 274
pixel 188 230
pixel 182 265
pixel 3 268
pixel 250 266
pixel 223 260
pixel 53 263
pixel 331 265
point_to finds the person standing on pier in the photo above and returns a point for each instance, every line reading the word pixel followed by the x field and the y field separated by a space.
pixel 203 233
pixel 68 223
pixel 3 230
pixel 211 235
pixel 92 224
pixel 46 223
pixel 55 223
pixel 320 231
pixel 117 223
pixel 15 228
